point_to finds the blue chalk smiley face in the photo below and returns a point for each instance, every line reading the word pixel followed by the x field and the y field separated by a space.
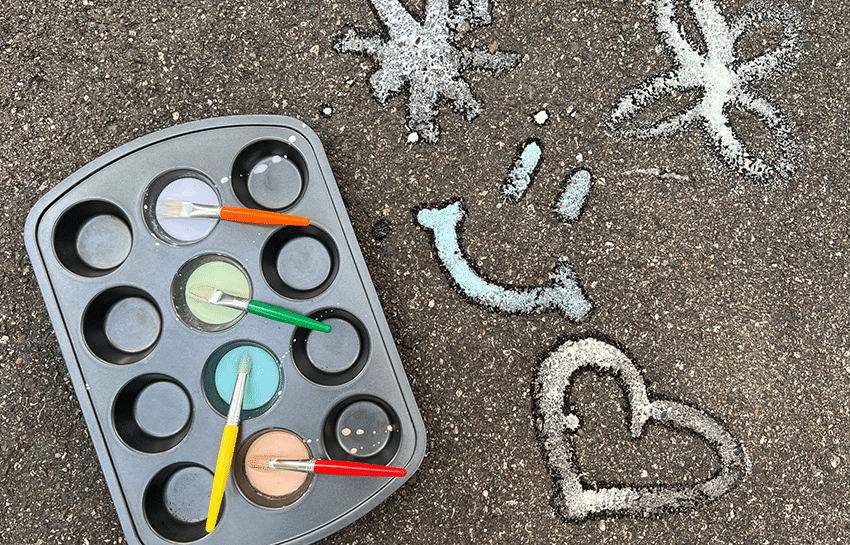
pixel 263 381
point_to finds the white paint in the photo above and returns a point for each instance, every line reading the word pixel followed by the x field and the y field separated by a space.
pixel 541 117
pixel 725 82
pixel 519 178
pixel 428 59
pixel 565 295
pixel 574 501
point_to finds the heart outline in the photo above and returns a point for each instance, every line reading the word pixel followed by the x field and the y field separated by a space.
pixel 573 501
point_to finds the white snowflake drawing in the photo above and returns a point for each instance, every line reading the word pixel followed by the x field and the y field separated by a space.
pixel 724 80
pixel 426 58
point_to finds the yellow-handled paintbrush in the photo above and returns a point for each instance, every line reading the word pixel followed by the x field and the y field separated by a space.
pixel 228 441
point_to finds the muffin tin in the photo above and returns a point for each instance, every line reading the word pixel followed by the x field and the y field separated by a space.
pixel 150 374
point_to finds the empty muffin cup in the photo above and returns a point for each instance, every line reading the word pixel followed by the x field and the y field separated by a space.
pixel 176 502
pixel 265 380
pixel 299 262
pixel 152 413
pixel 92 238
pixel 362 429
pixel 334 358
pixel 122 325
pixel 266 487
pixel 193 284
pixel 180 185
pixel 270 175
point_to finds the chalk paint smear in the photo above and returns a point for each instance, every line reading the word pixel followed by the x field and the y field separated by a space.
pixel 724 80
pixel 574 502
pixel 521 176
pixel 564 295
pixel 426 58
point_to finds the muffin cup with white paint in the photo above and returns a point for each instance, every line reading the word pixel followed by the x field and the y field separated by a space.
pixel 184 185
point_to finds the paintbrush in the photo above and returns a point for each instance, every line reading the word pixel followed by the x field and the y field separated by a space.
pixel 181 209
pixel 214 296
pixel 325 467
pixel 228 441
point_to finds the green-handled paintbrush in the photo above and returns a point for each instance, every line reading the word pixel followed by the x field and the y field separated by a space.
pixel 214 296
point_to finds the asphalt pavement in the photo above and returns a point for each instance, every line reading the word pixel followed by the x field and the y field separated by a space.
pixel 696 286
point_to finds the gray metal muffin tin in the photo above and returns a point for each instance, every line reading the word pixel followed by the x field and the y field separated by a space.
pixel 106 273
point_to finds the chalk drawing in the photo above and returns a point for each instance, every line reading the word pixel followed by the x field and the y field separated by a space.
pixel 574 502
pixel 519 178
pixel 571 201
pixel 564 295
pixel 724 81
pixel 427 58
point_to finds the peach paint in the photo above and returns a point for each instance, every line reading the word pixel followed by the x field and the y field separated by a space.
pixel 276 444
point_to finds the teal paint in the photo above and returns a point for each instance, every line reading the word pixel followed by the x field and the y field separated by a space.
pixel 263 381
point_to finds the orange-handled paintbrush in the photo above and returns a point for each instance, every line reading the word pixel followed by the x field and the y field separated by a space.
pixel 182 209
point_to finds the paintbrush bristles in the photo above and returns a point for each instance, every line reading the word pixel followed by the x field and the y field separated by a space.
pixel 260 462
pixel 245 363
pixel 201 294
pixel 173 209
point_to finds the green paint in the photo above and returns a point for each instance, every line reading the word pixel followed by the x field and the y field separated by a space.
pixel 224 276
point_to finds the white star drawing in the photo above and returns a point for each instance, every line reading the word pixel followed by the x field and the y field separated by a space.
pixel 725 82
pixel 425 57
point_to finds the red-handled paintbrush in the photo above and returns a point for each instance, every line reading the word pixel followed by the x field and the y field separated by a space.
pixel 326 467
pixel 181 209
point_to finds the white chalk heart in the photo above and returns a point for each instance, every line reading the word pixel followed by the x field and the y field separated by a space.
pixel 552 389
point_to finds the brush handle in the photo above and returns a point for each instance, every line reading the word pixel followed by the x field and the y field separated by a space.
pixel 356 469
pixel 249 215
pixel 222 470
pixel 286 316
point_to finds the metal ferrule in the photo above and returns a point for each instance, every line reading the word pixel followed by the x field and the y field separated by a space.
pixel 236 401
pixel 218 297
pixel 305 466
pixel 203 211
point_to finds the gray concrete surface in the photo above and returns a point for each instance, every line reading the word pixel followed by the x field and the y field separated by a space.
pixel 728 296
